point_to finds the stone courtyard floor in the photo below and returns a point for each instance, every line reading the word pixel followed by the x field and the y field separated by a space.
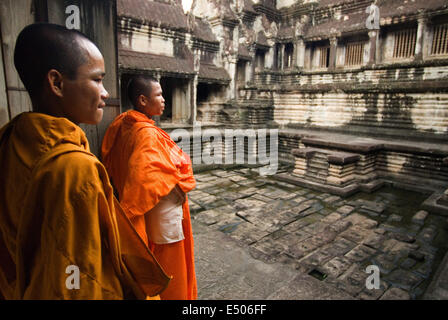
pixel 260 238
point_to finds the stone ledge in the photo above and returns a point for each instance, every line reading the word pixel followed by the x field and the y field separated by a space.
pixel 365 147
pixel 438 288
pixel 348 145
pixel 333 157
pixel 435 205
pixel 345 191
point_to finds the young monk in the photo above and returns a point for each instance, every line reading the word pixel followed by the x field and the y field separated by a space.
pixel 152 176
pixel 61 235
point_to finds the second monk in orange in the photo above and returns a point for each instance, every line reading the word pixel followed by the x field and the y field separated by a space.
pixel 152 176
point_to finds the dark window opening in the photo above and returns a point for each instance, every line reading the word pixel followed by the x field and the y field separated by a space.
pixel 167 85
pixel 404 43
pixel 289 51
pixel 241 72
pixel 277 57
pixel 259 59
pixel 440 39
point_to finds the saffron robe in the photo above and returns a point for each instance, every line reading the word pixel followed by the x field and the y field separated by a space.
pixel 145 164
pixel 57 210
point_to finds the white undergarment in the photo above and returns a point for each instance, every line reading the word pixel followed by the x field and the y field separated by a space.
pixel 164 221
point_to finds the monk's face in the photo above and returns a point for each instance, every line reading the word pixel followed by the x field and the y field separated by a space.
pixel 154 103
pixel 83 97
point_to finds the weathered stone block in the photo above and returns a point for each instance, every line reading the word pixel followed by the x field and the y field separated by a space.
pixel 394 218
pixel 373 294
pixel 340 247
pixel 404 279
pixel 317 258
pixel 424 270
pixel 345 210
pixel 395 294
pixel 331 218
pixel 340 226
pixel 420 217
pixel 427 234
pixel 416 255
pixel 374 241
pixel 331 199
pixel 337 266
pixel 247 233
pixel 408 263
pixel 360 253
pixel 356 234
pixel 371 207
pixel 309 245
pixel 209 217
pixel 316 227
pixel 385 262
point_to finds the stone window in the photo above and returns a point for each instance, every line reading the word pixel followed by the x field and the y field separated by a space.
pixel 354 53
pixel 207 56
pixel 440 40
pixel 177 100
pixel 404 43
pixel 277 57
pixel 324 56
pixel 259 59
pixel 289 50
pixel 241 72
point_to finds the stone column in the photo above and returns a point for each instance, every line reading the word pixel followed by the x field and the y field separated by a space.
pixel 294 54
pixel 299 54
pixel 193 104
pixel 308 63
pixel 419 44
pixel 282 56
pixel 374 39
pixel 333 49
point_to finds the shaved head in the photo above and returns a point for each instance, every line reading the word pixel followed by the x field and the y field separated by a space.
pixel 41 47
pixel 139 85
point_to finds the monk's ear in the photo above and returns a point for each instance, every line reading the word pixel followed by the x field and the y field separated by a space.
pixel 142 100
pixel 55 82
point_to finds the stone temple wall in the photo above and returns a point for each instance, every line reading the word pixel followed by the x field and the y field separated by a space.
pixel 392 114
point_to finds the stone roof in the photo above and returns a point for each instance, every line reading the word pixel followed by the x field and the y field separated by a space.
pixel 226 12
pixel 202 31
pixel 248 6
pixel 285 32
pixel 210 72
pixel 392 8
pixel 154 13
pixel 261 39
pixel 132 60
pixel 353 22
pixel 150 62
pixel 243 52
pixel 347 23
pixel 327 3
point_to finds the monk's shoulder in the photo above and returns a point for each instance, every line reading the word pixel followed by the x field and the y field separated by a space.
pixel 76 166
pixel 146 135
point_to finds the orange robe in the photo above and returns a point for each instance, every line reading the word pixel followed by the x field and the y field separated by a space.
pixel 145 164
pixel 57 210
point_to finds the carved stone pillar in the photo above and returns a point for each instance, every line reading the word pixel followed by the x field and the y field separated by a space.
pixel 300 53
pixel 282 56
pixel 419 45
pixel 374 39
pixel 333 49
